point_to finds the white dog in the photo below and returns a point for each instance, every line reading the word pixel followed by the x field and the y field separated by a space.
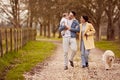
pixel 108 58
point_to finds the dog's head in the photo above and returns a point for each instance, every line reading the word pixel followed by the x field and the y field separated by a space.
pixel 110 59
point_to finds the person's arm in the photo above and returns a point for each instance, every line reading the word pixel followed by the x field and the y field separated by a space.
pixel 61 28
pixel 91 30
pixel 63 23
pixel 77 27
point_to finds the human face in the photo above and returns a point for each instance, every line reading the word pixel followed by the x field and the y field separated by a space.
pixel 71 16
pixel 82 20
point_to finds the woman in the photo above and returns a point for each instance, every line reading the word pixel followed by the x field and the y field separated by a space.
pixel 86 37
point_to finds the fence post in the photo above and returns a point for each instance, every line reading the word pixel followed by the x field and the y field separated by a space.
pixel 6 40
pixel 1 46
pixel 29 34
pixel 15 39
pixel 26 36
pixel 11 41
pixel 23 37
pixel 20 38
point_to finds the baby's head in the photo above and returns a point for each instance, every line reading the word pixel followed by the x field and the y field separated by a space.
pixel 65 15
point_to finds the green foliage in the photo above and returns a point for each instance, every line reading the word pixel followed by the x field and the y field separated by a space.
pixel 26 58
pixel 109 45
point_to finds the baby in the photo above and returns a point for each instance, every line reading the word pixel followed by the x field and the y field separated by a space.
pixel 63 22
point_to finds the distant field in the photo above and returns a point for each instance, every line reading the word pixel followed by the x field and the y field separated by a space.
pixel 105 37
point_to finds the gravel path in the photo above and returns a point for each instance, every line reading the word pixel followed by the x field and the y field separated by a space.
pixel 53 69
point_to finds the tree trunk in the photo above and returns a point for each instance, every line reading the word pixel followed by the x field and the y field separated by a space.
pixel 59 35
pixel 30 14
pixel 110 14
pixel 97 28
pixel 15 11
pixel 119 32
pixel 41 29
pixel 44 30
pixel 110 30
pixel 48 25
pixel 36 25
pixel 31 21
pixel 53 34
pixel 119 29
pixel 53 31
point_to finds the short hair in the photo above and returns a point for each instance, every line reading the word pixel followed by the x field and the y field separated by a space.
pixel 65 14
pixel 73 12
pixel 85 18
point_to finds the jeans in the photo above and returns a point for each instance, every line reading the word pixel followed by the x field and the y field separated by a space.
pixel 84 54
pixel 72 43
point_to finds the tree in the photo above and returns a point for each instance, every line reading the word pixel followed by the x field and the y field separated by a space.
pixel 94 9
pixel 113 14
pixel 13 12
pixel 118 4
pixel 119 29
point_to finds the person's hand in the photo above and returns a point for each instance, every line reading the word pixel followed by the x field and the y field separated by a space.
pixel 86 34
pixel 68 28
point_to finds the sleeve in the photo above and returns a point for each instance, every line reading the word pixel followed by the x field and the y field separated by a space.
pixel 61 28
pixel 91 30
pixel 77 28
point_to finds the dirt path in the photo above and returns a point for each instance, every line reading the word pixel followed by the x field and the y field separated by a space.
pixel 53 68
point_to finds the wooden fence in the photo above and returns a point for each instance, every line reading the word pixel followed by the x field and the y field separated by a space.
pixel 12 39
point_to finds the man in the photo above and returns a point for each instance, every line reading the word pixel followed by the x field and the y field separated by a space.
pixel 69 38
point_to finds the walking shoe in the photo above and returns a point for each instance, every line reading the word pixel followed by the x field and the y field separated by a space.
pixel 83 66
pixel 71 63
pixel 65 68
pixel 87 64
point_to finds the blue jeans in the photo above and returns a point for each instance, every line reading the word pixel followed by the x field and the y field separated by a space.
pixel 84 54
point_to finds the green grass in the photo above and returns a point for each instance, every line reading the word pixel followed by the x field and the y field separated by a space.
pixel 26 58
pixel 42 37
pixel 109 45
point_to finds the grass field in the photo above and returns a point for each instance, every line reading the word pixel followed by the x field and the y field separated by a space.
pixel 109 45
pixel 23 60
pixel 42 37
pixel 14 64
